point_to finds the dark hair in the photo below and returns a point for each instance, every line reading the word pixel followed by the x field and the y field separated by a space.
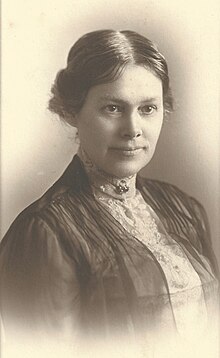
pixel 100 57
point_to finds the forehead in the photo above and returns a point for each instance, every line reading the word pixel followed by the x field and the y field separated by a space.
pixel 135 84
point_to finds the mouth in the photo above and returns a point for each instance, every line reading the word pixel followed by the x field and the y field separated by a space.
pixel 128 151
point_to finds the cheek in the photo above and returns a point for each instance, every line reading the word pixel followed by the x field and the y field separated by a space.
pixel 98 131
pixel 152 133
pixel 93 137
pixel 158 130
pixel 86 130
pixel 159 126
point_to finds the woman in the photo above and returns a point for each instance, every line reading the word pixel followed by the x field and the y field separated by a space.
pixel 106 256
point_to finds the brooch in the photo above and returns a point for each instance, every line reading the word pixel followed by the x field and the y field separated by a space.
pixel 122 187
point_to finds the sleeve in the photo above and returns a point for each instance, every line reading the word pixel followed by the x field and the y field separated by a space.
pixel 39 286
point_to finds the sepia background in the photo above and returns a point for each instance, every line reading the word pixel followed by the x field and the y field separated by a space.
pixel 36 147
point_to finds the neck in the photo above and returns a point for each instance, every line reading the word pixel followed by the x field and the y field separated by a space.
pixel 120 188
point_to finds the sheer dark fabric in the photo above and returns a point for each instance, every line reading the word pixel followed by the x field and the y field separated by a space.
pixel 68 266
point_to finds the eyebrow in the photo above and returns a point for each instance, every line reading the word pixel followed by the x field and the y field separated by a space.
pixel 120 100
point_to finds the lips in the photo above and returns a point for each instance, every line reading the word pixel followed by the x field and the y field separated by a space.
pixel 128 149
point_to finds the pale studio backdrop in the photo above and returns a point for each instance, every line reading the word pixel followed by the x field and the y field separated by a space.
pixel 36 147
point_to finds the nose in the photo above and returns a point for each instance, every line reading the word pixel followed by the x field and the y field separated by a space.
pixel 131 126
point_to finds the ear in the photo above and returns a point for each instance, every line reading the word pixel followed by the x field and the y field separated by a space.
pixel 72 120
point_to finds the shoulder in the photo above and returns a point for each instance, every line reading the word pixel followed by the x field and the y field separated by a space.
pixel 158 186
pixel 39 236
pixel 166 194
pixel 43 211
pixel 53 223
pixel 36 217
pixel 173 202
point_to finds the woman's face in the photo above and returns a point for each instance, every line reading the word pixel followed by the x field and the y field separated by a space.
pixel 120 122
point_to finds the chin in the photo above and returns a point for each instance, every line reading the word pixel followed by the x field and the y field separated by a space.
pixel 122 171
pixel 125 166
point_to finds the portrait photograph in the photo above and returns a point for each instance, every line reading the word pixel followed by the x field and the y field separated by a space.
pixel 110 179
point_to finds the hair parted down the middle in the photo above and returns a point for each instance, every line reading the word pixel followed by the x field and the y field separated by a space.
pixel 100 57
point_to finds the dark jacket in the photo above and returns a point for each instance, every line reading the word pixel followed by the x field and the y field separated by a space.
pixel 67 261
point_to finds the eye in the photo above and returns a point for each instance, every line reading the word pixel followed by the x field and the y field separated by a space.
pixel 113 108
pixel 148 109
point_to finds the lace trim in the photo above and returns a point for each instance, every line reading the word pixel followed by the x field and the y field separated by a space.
pixel 135 217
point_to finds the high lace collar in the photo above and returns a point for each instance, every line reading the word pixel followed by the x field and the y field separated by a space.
pixel 119 188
